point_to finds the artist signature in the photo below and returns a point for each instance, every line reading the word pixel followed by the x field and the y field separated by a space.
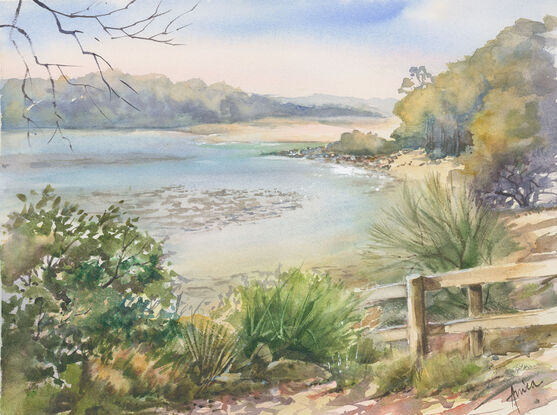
pixel 519 389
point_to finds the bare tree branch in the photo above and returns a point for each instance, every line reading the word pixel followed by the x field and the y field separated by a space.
pixel 137 29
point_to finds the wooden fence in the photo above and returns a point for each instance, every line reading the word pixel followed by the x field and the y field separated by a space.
pixel 417 328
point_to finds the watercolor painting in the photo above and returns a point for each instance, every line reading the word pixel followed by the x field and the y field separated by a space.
pixel 278 207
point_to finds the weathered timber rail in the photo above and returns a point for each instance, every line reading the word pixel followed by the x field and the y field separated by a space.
pixel 417 329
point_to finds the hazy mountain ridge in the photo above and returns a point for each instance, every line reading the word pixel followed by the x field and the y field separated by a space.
pixel 160 103
pixel 383 105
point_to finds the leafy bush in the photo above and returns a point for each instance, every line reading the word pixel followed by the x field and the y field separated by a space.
pixel 100 396
pixel 303 316
pixel 501 122
pixel 359 143
pixel 77 285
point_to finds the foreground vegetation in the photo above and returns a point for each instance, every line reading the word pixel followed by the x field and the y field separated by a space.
pixel 90 321
pixel 90 324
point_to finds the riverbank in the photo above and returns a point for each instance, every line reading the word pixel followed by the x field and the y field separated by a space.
pixel 291 130
pixel 405 164
pixel 241 209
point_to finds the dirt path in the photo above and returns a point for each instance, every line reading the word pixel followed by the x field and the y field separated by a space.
pixel 524 391
pixel 537 400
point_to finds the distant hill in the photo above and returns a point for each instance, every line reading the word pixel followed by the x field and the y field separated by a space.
pixel 160 103
pixel 382 105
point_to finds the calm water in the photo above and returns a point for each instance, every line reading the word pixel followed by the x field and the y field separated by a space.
pixel 227 211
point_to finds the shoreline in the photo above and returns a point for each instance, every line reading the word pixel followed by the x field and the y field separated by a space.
pixel 291 130
pixel 403 165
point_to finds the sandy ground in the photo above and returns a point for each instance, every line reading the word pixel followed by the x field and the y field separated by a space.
pixel 489 397
pixel 537 232
pixel 293 130
pixel 416 165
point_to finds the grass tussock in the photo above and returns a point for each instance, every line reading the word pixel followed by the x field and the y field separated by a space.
pixel 202 350
pixel 394 375
pixel 444 371
pixel 211 347
pixel 303 316
pixel 434 374
pixel 355 365
pixel 439 227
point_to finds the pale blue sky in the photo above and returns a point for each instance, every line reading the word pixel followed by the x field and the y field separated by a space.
pixel 295 47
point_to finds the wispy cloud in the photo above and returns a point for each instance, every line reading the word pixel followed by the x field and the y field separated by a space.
pixel 247 17
pixel 296 47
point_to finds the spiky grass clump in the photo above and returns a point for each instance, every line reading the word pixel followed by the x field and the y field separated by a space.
pixel 303 316
pixel 439 227
pixel 211 348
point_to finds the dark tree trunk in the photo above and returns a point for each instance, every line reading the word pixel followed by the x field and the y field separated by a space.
pixel 84 379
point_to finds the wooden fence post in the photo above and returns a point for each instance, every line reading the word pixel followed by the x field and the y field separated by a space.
pixel 475 309
pixel 417 335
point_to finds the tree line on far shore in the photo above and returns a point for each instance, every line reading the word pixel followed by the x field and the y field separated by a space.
pixel 495 110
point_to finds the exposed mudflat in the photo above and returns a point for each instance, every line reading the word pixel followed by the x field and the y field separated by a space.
pixel 177 208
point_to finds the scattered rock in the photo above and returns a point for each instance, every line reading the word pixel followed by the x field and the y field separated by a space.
pixel 296 370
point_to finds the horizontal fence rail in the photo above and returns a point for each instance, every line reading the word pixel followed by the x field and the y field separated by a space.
pixel 384 292
pixel 417 328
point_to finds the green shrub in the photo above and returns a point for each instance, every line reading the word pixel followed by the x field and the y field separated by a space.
pixel 77 285
pixel 303 316
pixel 359 143
pixel 39 400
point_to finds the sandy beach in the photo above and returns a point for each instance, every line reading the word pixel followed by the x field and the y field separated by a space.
pixel 292 129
